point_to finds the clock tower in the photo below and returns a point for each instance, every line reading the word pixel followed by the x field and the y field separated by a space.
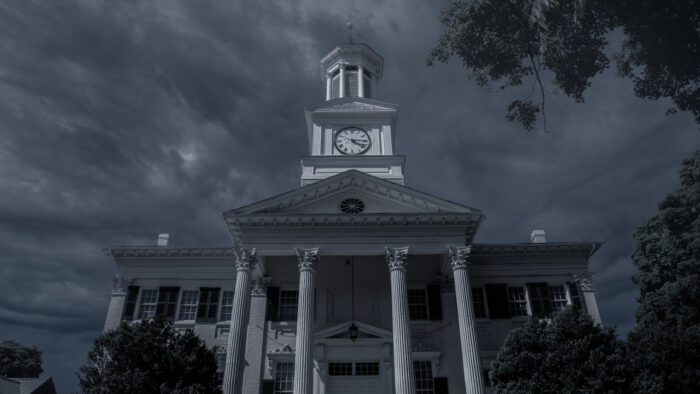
pixel 351 130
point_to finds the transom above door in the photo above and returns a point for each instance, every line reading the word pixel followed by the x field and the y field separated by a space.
pixel 353 377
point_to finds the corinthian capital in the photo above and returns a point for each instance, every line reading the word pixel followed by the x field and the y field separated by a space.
pixel 584 280
pixel 459 257
pixel 397 258
pixel 245 258
pixel 120 284
pixel 307 259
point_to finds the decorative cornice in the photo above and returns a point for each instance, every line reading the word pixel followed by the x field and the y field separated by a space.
pixel 459 257
pixel 584 280
pixel 307 259
pixel 582 248
pixel 245 259
pixel 160 251
pixel 120 284
pixel 397 258
pixel 403 222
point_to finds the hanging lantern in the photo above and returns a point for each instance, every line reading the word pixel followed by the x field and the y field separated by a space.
pixel 352 332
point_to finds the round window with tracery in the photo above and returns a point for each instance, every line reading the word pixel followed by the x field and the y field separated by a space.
pixel 352 205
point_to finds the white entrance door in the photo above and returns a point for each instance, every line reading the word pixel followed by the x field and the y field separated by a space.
pixel 353 385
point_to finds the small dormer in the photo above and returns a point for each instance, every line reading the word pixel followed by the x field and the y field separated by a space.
pixel 349 70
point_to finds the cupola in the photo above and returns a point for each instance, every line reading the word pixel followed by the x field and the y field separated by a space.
pixel 349 70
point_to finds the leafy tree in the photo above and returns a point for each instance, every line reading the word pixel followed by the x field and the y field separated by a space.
pixel 17 361
pixel 569 354
pixel 511 41
pixel 149 357
pixel 666 341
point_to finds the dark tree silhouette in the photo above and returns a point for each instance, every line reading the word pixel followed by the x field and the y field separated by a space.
pixel 149 357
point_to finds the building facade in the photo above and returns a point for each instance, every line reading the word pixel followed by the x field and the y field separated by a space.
pixel 352 283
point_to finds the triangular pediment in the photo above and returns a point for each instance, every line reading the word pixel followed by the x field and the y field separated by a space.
pixel 378 196
pixel 364 330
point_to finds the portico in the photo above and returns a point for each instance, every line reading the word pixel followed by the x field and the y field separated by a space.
pixel 377 359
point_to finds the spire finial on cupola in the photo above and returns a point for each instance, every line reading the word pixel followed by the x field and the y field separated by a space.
pixel 349 70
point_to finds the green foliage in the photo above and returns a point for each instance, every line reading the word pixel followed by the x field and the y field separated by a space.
pixel 570 354
pixel 666 341
pixel 17 361
pixel 149 357
pixel 510 41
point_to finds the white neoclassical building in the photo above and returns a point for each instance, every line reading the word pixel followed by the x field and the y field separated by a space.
pixel 352 283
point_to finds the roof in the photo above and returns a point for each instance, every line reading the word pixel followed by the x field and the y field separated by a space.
pixel 31 385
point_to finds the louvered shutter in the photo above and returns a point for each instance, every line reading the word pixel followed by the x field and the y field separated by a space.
pixel 539 299
pixel 434 302
pixel 131 295
pixel 440 385
pixel 273 303
pixel 497 299
pixel 574 294
pixel 268 386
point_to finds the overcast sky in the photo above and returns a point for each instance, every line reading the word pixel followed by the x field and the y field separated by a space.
pixel 120 120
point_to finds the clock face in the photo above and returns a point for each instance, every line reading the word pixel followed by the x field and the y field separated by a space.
pixel 352 141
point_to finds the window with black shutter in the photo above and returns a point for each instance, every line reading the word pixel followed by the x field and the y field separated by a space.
pixel 434 302
pixel 268 386
pixel 208 303
pixel 273 303
pixel 539 299
pixel 132 294
pixel 167 302
pixel 440 386
pixel 574 295
pixel 497 300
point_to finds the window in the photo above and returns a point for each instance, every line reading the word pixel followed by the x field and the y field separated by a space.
pixel 346 369
pixel 284 378
pixel 366 369
pixel 517 303
pixel 479 302
pixel 424 377
pixel 340 369
pixel 132 295
pixel 188 305
pixel 226 306
pixel 557 298
pixel 417 304
pixel 149 300
pixel 220 367
pixel 167 302
pixel 289 302
pixel 208 303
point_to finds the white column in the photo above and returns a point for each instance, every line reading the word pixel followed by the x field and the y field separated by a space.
pixel 403 363
pixel 329 80
pixel 235 348
pixel 255 337
pixel 360 81
pixel 471 358
pixel 303 367
pixel 117 302
pixel 584 282
pixel 341 88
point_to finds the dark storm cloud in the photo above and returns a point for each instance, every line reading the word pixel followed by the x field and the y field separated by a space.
pixel 119 120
